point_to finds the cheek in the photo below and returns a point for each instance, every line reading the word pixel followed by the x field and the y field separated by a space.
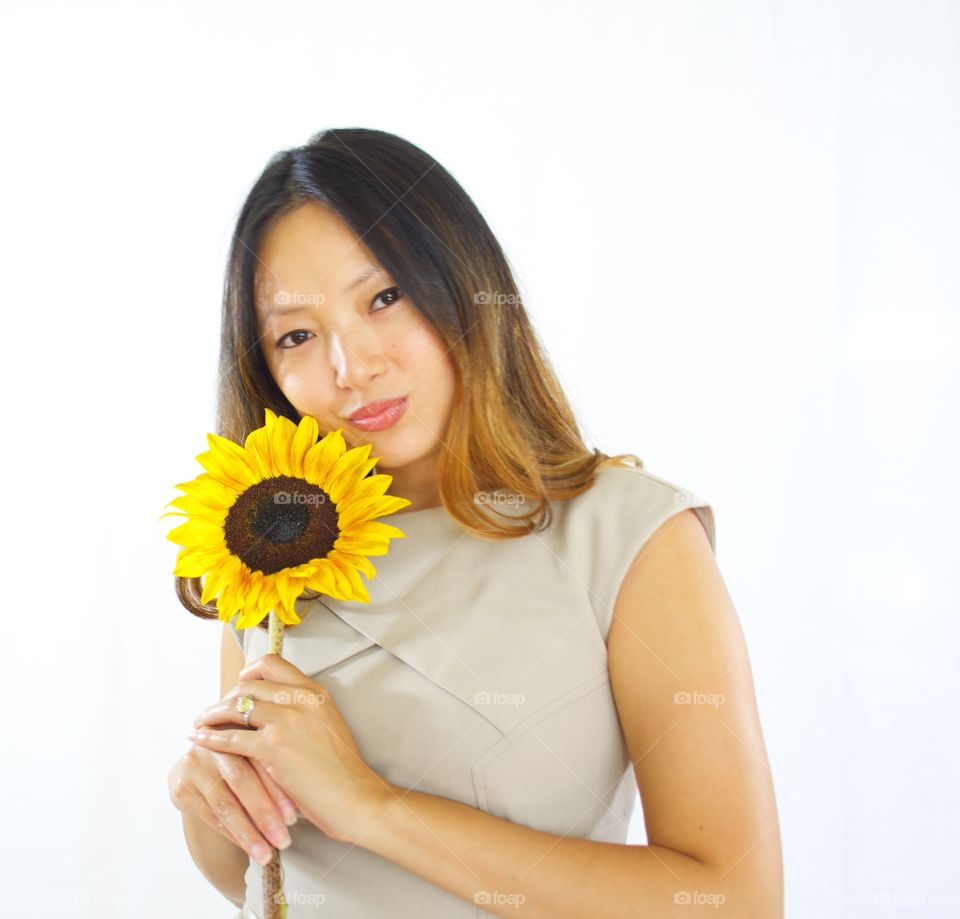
pixel 293 383
pixel 306 393
pixel 446 381
pixel 429 366
pixel 437 389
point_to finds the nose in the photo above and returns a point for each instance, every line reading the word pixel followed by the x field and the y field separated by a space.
pixel 356 358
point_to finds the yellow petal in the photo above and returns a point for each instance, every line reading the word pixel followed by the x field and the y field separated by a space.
pixel 390 504
pixel 209 490
pixel 208 592
pixel 357 589
pixel 249 618
pixel 351 460
pixel 257 445
pixel 237 587
pixel 228 602
pixel 197 508
pixel 189 569
pixel 321 457
pixel 197 533
pixel 223 470
pixel 288 589
pixel 369 486
pixel 323 580
pixel 341 583
pixel 360 562
pixel 303 439
pixel 251 595
pixel 219 577
pixel 250 614
pixel 288 615
pixel 281 444
pixel 247 597
pixel 235 458
pixel 377 530
pixel 269 597
pixel 301 571
pixel 346 472
pixel 194 563
pixel 367 509
pixel 362 545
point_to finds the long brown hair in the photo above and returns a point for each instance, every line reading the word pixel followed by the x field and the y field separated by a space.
pixel 511 426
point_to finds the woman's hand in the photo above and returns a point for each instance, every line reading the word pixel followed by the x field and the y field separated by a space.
pixel 302 743
pixel 234 796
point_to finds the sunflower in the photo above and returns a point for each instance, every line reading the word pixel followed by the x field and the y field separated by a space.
pixel 279 515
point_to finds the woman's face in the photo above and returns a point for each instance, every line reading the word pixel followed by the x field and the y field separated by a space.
pixel 338 334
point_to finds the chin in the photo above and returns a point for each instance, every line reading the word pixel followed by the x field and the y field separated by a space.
pixel 401 453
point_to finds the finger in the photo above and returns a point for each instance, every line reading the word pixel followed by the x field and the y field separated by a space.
pixel 201 809
pixel 273 667
pixel 267 691
pixel 188 799
pixel 215 804
pixel 221 827
pixel 262 713
pixel 287 807
pixel 257 817
pixel 229 740
pixel 226 831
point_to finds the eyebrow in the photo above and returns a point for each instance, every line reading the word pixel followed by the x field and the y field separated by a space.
pixel 369 272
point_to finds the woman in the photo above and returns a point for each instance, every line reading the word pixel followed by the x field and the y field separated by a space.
pixel 462 745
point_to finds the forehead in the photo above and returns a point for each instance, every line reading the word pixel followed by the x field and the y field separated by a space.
pixel 309 247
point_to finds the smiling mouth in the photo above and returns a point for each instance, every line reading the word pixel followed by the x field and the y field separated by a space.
pixel 374 408
pixel 385 415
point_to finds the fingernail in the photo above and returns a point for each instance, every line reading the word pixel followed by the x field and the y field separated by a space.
pixel 278 835
pixel 261 853
pixel 289 812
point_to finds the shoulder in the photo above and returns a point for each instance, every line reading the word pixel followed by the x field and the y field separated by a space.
pixel 602 531
pixel 671 583
pixel 644 499
pixel 675 566
pixel 682 684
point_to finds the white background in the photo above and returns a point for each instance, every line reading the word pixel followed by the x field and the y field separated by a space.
pixel 735 226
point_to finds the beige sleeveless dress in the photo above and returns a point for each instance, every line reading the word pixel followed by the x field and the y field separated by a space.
pixel 478 672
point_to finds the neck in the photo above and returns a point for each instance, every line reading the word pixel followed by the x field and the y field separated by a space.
pixel 417 482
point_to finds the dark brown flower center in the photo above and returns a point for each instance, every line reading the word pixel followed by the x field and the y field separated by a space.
pixel 280 523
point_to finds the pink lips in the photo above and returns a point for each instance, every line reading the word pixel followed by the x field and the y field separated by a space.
pixel 380 415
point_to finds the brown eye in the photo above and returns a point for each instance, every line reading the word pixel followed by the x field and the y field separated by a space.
pixel 280 341
pixel 393 293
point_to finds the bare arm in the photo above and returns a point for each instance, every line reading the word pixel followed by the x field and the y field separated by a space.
pixel 702 771
pixel 222 862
